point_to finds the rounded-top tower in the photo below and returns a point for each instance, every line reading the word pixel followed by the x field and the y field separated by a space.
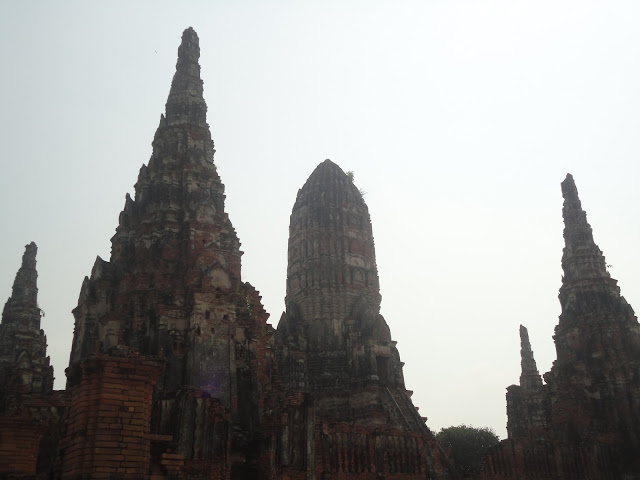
pixel 336 360
pixel 331 251
pixel 333 296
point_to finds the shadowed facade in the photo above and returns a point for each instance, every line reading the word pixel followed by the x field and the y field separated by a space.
pixel 175 373
pixel 336 358
pixel 584 422
pixel 172 293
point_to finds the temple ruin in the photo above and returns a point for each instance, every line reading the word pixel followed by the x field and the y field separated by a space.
pixel 584 421
pixel 336 359
pixel 175 372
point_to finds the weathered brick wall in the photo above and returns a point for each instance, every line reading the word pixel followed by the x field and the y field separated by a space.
pixel 354 417
pixel 358 453
pixel 19 441
pixel 314 443
pixel 583 423
pixel 542 460
pixel 199 429
pixel 109 419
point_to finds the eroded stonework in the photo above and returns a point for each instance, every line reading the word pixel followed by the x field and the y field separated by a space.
pixel 172 290
pixel 24 365
pixel 173 368
pixel 175 373
pixel 31 413
pixel 336 358
pixel 528 404
pixel 584 423
pixel 333 301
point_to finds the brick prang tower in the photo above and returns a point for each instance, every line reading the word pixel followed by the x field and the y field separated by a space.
pixel 584 422
pixel 346 403
pixel 333 295
pixel 172 290
pixel 594 383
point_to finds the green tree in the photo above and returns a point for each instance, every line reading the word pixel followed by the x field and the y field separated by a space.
pixel 467 445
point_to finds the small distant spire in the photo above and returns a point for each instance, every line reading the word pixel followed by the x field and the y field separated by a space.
pixel 186 104
pixel 25 289
pixel 22 306
pixel 530 377
pixel 24 365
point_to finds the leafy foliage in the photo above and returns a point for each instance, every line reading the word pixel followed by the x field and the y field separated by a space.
pixel 351 176
pixel 467 445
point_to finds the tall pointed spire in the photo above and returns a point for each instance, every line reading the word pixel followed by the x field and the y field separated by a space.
pixel 584 266
pixel 174 277
pixel 596 338
pixel 172 289
pixel 182 138
pixel 583 422
pixel 530 377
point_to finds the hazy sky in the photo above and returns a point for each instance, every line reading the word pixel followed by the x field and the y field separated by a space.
pixel 459 118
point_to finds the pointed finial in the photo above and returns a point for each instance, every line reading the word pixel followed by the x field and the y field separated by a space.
pixel 29 256
pixel 572 209
pixel 581 259
pixel 530 377
pixel 569 186
pixel 583 264
pixel 186 104
pixel 189 53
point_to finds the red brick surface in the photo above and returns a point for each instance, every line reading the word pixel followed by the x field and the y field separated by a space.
pixel 109 418
pixel 19 441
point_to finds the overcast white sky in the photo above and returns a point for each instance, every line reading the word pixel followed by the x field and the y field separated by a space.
pixel 459 118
